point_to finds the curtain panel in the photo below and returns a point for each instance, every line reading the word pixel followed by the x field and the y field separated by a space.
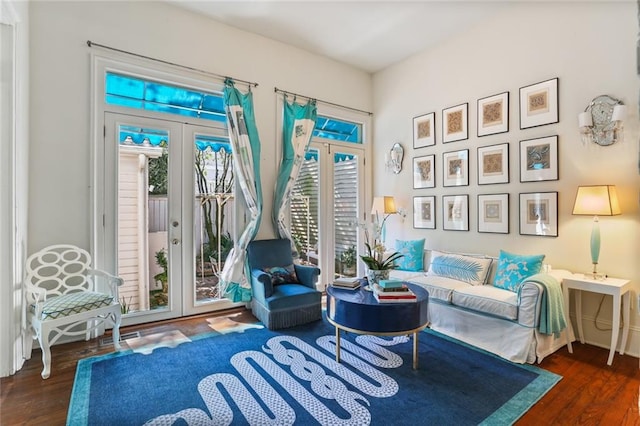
pixel 245 143
pixel 297 130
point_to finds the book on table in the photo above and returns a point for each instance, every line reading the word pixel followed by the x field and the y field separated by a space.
pixel 389 284
pixel 347 282
pixel 394 299
pixel 383 296
pixel 403 291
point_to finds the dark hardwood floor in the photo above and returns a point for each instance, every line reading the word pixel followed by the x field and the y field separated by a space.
pixel 590 392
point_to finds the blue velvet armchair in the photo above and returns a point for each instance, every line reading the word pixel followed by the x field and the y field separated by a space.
pixel 284 294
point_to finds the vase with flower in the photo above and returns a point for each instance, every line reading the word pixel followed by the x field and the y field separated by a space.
pixel 377 260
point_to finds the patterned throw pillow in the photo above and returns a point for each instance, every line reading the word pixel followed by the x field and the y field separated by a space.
pixel 513 269
pixel 282 274
pixel 470 269
pixel 413 251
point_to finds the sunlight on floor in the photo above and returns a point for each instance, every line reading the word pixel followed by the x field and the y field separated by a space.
pixel 146 344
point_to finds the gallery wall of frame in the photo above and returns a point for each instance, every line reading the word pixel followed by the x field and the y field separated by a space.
pixel 538 162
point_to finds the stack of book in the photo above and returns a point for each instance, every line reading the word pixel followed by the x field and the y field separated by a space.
pixel 349 283
pixel 391 291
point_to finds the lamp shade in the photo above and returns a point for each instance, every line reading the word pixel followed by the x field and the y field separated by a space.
pixel 384 205
pixel 585 120
pixel 597 200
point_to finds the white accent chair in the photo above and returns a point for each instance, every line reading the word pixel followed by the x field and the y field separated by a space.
pixel 63 298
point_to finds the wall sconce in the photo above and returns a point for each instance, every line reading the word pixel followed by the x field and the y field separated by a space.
pixel 601 121
pixel 393 160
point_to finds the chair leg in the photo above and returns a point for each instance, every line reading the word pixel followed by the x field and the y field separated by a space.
pixel 46 353
pixel 116 329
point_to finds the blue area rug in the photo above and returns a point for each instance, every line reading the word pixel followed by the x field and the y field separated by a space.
pixel 290 377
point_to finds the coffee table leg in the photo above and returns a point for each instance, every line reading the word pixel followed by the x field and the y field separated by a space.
pixel 415 350
pixel 337 344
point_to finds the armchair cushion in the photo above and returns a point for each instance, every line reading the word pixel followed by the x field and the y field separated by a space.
pixel 73 303
pixel 282 274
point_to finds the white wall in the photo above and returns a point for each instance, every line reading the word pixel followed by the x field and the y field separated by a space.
pixel 591 48
pixel 60 85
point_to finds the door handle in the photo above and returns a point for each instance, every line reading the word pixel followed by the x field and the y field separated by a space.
pixel 175 241
pixel 175 223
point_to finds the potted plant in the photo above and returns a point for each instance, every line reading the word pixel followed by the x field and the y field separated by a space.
pixel 348 261
pixel 378 265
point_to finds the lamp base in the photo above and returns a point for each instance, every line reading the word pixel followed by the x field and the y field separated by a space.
pixel 595 275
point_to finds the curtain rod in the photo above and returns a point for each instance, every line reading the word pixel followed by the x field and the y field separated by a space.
pixel 275 89
pixel 248 83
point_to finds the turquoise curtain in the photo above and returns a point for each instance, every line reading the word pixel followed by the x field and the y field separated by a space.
pixel 297 129
pixel 245 143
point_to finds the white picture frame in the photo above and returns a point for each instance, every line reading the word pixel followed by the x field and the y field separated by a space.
pixel 539 104
pixel 539 159
pixel 455 123
pixel 424 212
pixel 455 168
pixel 493 213
pixel 493 114
pixel 493 164
pixel 455 212
pixel 539 214
pixel 424 130
pixel 424 171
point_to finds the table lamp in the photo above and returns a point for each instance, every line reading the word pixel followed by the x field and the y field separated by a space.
pixel 386 206
pixel 596 200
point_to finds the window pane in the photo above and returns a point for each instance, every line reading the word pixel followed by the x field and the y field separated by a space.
pixel 331 128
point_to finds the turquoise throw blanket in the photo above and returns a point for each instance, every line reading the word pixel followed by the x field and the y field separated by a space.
pixel 552 305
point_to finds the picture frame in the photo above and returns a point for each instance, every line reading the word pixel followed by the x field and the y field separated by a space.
pixel 455 168
pixel 493 213
pixel 424 130
pixel 424 212
pixel 493 114
pixel 539 214
pixel 493 164
pixel 455 212
pixel 539 159
pixel 455 122
pixel 539 104
pixel 424 171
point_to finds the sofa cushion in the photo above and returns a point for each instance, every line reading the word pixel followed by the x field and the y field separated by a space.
pixel 413 254
pixel 439 288
pixel 289 296
pixel 512 269
pixel 282 274
pixel 472 270
pixel 488 300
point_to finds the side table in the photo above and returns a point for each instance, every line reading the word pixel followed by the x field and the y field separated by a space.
pixel 616 287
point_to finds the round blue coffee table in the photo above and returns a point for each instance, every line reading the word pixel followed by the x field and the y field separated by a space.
pixel 359 312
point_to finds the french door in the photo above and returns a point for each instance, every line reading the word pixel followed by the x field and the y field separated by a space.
pixel 327 209
pixel 161 192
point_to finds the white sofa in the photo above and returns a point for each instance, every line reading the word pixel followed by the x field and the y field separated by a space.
pixel 499 321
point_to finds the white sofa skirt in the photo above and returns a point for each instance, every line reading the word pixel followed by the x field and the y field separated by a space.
pixel 506 339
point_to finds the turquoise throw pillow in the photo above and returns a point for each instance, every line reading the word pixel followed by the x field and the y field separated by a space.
pixel 413 251
pixel 513 269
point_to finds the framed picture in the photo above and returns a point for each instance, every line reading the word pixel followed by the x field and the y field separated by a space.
pixel 424 130
pixel 493 114
pixel 424 212
pixel 455 168
pixel 424 170
pixel 539 159
pixel 455 211
pixel 454 123
pixel 493 213
pixel 493 164
pixel 539 214
pixel 539 104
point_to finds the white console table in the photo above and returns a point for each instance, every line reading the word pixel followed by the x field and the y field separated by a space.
pixel 616 287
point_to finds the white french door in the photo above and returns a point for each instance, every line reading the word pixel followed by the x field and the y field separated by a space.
pixel 151 220
pixel 327 206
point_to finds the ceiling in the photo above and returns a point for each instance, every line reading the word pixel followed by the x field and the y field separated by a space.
pixel 369 35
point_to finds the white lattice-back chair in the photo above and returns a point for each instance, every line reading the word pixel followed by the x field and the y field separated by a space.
pixel 64 297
